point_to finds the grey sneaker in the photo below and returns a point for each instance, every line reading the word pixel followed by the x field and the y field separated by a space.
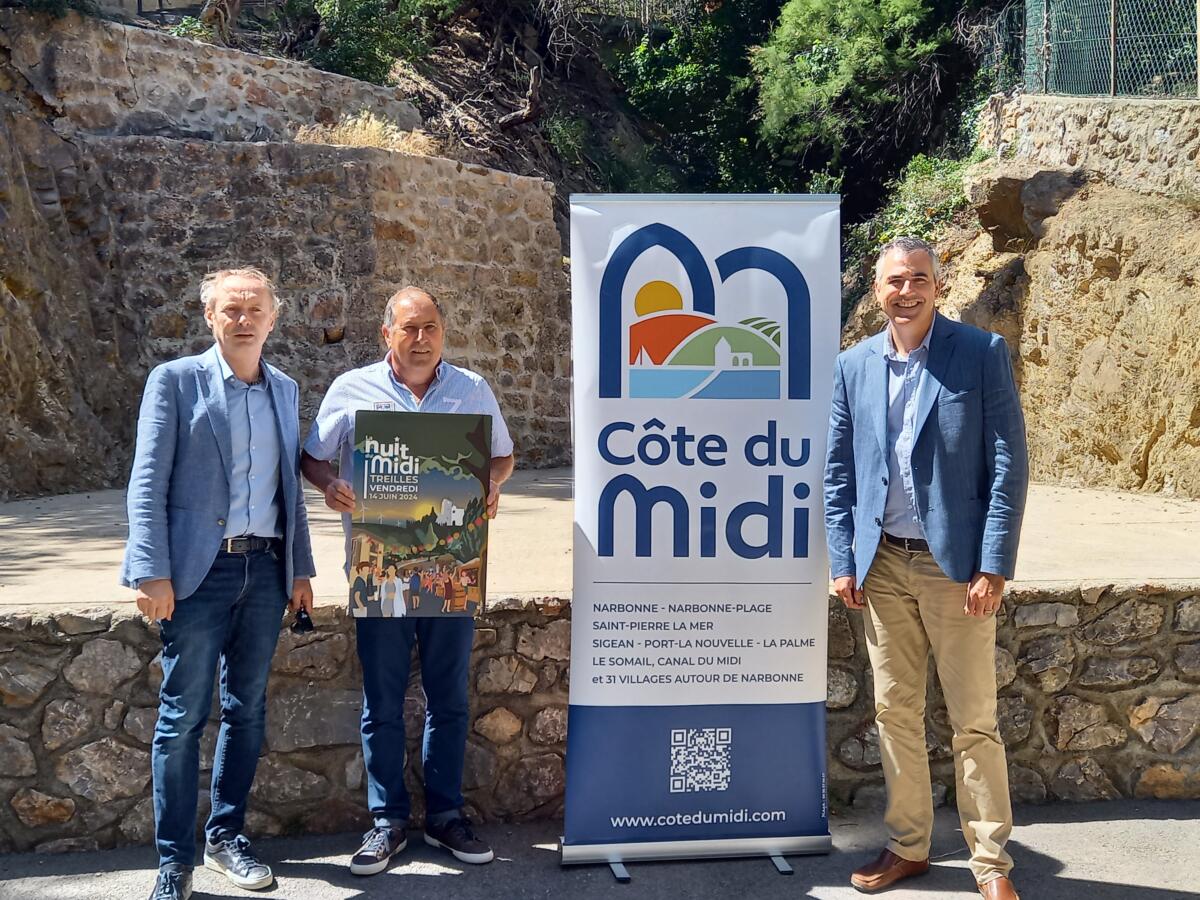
pixel 236 861
pixel 379 846
pixel 457 837
pixel 174 883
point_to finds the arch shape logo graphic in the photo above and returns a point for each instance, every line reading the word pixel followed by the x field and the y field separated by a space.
pixel 698 354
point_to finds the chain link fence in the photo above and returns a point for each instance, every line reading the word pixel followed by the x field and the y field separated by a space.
pixel 1127 48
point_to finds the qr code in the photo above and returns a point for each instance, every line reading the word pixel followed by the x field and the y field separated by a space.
pixel 700 759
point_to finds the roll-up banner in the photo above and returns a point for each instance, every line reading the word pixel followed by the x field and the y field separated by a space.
pixel 705 331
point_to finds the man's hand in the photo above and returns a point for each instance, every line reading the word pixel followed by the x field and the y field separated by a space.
pixel 847 588
pixel 156 599
pixel 302 595
pixel 984 594
pixel 493 500
pixel 339 496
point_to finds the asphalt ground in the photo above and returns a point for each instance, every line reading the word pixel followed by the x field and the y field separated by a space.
pixel 1118 850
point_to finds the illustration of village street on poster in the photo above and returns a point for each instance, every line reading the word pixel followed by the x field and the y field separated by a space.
pixel 418 537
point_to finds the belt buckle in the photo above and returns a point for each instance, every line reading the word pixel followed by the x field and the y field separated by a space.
pixel 239 542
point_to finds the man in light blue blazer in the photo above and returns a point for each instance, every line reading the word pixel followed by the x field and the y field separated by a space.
pixel 925 486
pixel 218 547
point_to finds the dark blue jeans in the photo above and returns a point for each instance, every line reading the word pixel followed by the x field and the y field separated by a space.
pixel 385 651
pixel 231 622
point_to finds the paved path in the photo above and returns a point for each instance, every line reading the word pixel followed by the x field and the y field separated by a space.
pixel 1121 850
pixel 63 552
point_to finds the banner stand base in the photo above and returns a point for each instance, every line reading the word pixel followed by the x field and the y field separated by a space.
pixel 610 854
pixel 620 872
pixel 781 865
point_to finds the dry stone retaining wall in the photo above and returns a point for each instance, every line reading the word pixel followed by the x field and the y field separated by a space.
pixel 106 78
pixel 1150 146
pixel 341 230
pixel 1099 697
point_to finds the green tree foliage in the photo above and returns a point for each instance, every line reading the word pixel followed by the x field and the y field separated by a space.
pixel 694 82
pixel 364 38
pixel 856 87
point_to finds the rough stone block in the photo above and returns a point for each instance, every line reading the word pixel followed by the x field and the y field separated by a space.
pixel 1026 785
pixel 1014 716
pixel 1038 614
pixel 1109 674
pixel 1167 725
pixel 841 636
pixel 102 665
pixel 275 781
pixel 505 675
pixel 104 770
pixel 36 809
pixel 1169 781
pixel 1083 779
pixel 500 725
pixel 1125 622
pixel 23 682
pixel 65 721
pixel 312 716
pixel 1050 659
pixel 842 688
pixel 1187 615
pixel 531 782
pixel 1187 661
pixel 550 642
pixel 549 726
pixel 81 623
pixel 16 759
pixel 1006 668
pixel 1080 725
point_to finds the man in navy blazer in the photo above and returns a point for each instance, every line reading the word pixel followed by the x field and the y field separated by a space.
pixel 218 547
pixel 925 486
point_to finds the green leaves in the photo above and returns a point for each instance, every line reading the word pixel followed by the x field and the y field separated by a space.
pixel 364 38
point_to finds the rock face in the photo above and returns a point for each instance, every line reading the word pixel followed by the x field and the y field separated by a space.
pixel 102 665
pixel 104 771
pixel 1093 287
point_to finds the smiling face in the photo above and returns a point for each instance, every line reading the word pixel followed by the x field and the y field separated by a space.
pixel 241 315
pixel 906 290
pixel 415 337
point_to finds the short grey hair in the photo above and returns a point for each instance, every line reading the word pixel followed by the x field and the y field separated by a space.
pixel 907 244
pixel 212 281
pixel 389 311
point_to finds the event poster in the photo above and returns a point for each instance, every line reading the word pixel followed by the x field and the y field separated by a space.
pixel 418 536
pixel 704 336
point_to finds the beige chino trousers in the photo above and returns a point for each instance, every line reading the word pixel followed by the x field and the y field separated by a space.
pixel 911 608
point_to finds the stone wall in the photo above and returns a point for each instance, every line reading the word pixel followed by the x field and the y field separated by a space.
pixel 78 699
pixel 107 78
pixel 341 229
pixel 1099 698
pixel 1149 146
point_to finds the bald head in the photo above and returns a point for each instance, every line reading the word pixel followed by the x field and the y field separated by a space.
pixel 410 296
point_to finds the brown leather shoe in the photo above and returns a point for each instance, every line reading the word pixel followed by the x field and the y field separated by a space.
pixel 998 889
pixel 886 871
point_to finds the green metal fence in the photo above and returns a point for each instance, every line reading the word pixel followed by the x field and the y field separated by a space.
pixel 1127 48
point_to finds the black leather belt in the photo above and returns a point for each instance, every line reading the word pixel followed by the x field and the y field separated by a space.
pixel 250 543
pixel 912 545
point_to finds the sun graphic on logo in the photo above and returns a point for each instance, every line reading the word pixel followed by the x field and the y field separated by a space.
pixel 676 353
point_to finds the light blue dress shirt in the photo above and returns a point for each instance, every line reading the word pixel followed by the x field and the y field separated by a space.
pixel 254 481
pixel 374 387
pixel 900 517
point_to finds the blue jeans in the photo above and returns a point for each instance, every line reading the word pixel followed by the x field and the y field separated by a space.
pixel 385 651
pixel 232 621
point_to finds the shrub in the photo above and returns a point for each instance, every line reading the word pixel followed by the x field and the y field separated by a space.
pixel 191 27
pixel 364 38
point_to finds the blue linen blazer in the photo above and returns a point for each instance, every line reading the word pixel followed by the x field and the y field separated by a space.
pixel 970 463
pixel 179 488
